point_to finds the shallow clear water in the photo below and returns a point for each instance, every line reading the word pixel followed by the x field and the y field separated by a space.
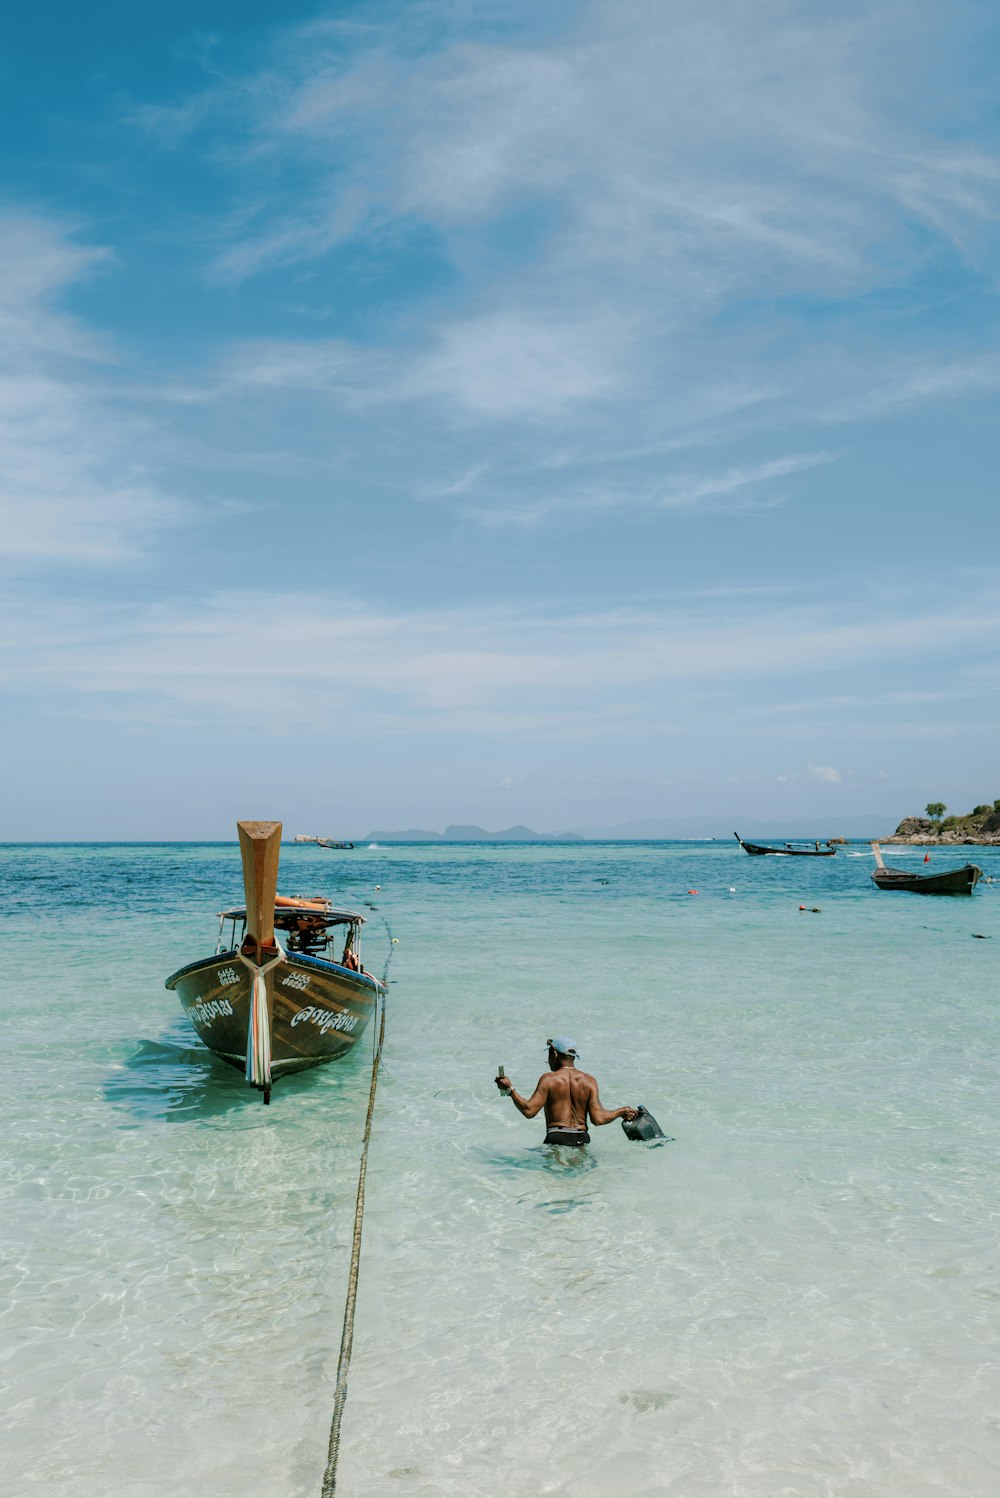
pixel 797 1295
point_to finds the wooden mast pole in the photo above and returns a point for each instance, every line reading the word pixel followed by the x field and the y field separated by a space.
pixel 260 849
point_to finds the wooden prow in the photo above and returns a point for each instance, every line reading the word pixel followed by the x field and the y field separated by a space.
pixel 878 855
pixel 260 848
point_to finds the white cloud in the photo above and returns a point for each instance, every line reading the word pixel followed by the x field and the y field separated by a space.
pixel 515 365
pixel 825 774
pixel 74 483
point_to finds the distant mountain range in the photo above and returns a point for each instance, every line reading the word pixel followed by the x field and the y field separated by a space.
pixel 651 829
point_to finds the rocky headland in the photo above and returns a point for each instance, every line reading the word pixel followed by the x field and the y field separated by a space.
pixel 979 827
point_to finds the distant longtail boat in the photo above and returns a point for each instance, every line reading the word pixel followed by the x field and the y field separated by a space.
pixel 756 850
pixel 269 1009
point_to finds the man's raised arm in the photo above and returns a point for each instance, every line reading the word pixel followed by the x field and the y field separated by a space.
pixel 600 1115
pixel 528 1106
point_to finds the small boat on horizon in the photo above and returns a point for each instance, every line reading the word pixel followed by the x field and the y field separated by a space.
pixel 756 850
pixel 268 1009
pixel 960 881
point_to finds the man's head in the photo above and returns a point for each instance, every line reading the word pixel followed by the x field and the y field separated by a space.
pixel 562 1051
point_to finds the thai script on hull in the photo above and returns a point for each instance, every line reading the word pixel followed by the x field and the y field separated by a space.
pixel 326 1019
pixel 206 1010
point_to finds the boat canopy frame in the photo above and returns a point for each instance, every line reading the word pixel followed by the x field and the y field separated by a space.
pixel 317 914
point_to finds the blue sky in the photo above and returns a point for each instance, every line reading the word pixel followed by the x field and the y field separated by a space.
pixel 433 412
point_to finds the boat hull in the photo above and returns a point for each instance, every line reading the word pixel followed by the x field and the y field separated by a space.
pixel 951 882
pixel 318 1010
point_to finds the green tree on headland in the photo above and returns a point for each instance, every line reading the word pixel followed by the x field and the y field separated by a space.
pixel 935 809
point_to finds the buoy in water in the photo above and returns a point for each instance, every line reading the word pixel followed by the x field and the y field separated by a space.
pixel 692 891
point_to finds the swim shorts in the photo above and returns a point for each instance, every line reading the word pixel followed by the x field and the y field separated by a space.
pixel 567 1136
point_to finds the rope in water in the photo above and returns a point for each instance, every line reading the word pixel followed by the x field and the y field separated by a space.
pixel 329 1487
pixel 347 1335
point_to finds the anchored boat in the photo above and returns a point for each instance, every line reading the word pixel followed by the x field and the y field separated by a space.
pixel 960 881
pixel 269 1008
pixel 322 842
pixel 757 849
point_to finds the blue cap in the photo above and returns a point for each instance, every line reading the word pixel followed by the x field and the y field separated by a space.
pixel 563 1045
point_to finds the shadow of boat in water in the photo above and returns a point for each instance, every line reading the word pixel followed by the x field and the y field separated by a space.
pixel 172 1080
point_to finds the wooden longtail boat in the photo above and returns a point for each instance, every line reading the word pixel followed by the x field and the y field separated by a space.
pixel 269 1009
pixel 960 881
pixel 757 849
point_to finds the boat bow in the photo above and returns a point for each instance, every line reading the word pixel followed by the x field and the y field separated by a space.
pixel 260 849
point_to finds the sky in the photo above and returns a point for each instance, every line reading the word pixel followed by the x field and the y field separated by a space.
pixel 450 411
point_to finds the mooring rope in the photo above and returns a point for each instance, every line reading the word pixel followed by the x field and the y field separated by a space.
pixel 329 1487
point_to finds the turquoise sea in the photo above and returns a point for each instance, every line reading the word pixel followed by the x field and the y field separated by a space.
pixel 797 1296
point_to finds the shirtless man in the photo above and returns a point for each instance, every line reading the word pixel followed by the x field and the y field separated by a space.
pixel 569 1097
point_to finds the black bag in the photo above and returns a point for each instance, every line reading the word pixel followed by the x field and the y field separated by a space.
pixel 643 1126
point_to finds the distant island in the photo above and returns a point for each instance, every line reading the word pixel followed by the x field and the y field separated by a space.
pixel 654 829
pixel 979 826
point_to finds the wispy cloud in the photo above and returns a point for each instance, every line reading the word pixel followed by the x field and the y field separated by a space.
pixel 723 145
pixel 486 497
pixel 611 198
pixel 518 365
pixel 74 483
pixel 687 492
pixel 434 669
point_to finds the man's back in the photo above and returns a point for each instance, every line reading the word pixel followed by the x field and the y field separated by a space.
pixel 568 1093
